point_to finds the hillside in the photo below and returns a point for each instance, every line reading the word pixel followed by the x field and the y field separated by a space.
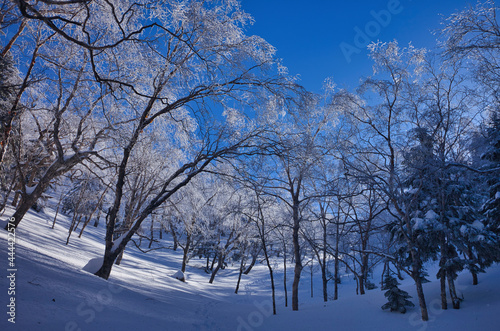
pixel 54 293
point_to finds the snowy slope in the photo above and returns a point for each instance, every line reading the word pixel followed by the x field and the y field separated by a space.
pixel 54 293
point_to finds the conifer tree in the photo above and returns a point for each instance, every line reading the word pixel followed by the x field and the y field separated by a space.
pixel 398 299
pixel 491 208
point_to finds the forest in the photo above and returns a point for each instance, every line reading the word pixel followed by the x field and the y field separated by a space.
pixel 166 124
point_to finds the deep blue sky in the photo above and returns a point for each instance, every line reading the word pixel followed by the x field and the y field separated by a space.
pixel 308 33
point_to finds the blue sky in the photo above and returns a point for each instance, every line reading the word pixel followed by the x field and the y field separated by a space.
pixel 309 33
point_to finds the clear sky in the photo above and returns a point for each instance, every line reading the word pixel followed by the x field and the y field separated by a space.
pixel 321 38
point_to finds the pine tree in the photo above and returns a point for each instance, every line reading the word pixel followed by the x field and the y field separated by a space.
pixel 491 208
pixel 398 299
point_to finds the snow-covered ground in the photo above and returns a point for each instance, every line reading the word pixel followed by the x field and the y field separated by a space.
pixel 52 292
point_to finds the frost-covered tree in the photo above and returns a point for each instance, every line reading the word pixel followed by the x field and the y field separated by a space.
pixel 302 140
pixel 380 109
pixel 264 213
pixel 472 34
pixel 58 127
pixel 491 208
pixel 366 207
pixel 82 201
pixel 178 61
pixel 192 216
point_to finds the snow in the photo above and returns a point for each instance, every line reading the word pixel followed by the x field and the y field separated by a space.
pixel 478 225
pixel 30 189
pixel 179 275
pixel 431 215
pixel 56 290
pixel 93 265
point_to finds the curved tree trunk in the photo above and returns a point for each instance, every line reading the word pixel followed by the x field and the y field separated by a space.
pixel 252 264
pixel 56 169
pixel 270 274
pixel 242 266
pixel 219 265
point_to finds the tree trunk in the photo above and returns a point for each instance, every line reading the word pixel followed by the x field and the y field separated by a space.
pixel 270 271
pixel 213 262
pixel 442 272
pixel 420 289
pixel 473 272
pixel 323 264
pixel 298 260
pixel 357 283
pixel 337 265
pixel 174 235
pixel 442 280
pixel 57 213
pixel 119 258
pixel 9 191
pixel 219 265
pixel 26 203
pixel 15 201
pixel 28 200
pixel 93 212
pixel 242 265
pixel 284 277
pixel 72 226
pixel 312 288
pixel 364 270
pixel 325 283
pixel 96 222
pixel 453 293
pixel 107 264
pixel 185 253
pixel 361 282
pixel 152 233
pixel 251 265
pixel 416 268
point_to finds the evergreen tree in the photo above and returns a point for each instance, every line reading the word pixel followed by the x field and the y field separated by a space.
pixel 398 299
pixel 491 208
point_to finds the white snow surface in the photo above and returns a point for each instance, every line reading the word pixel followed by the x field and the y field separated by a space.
pixel 179 275
pixel 53 292
pixel 30 189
